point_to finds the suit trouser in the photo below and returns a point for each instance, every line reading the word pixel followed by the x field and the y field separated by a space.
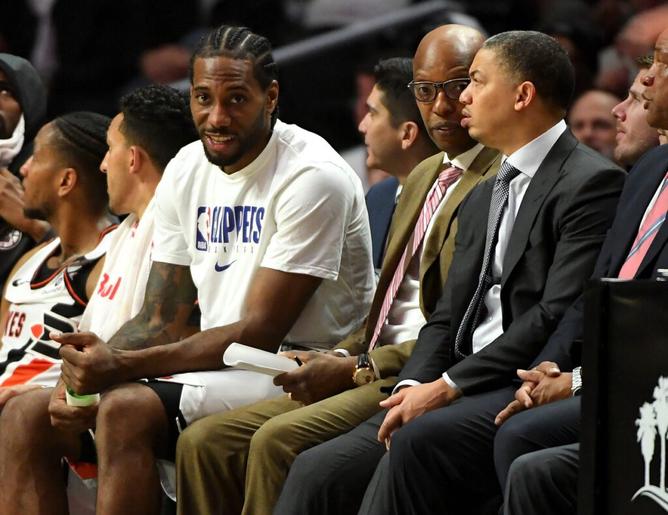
pixel 544 482
pixel 441 462
pixel 533 452
pixel 236 462
pixel 551 425
pixel 330 479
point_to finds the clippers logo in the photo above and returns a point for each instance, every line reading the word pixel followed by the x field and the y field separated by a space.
pixel 220 226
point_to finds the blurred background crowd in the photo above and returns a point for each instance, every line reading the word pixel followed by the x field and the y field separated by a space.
pixel 90 52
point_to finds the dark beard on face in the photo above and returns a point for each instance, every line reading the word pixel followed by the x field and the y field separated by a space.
pixel 35 213
pixel 3 129
pixel 220 161
pixel 257 131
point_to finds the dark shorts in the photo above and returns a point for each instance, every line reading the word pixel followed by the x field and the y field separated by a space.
pixel 170 396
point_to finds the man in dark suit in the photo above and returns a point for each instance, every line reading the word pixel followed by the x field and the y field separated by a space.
pixel 396 141
pixel 536 452
pixel 381 199
pixel 546 216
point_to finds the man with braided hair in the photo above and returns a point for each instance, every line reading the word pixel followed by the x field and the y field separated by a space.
pixel 52 283
pixel 262 223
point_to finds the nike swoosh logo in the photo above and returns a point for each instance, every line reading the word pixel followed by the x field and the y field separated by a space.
pixel 222 268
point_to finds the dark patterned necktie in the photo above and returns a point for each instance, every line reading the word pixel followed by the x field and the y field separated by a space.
pixel 499 201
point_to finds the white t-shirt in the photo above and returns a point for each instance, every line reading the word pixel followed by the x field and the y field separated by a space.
pixel 298 207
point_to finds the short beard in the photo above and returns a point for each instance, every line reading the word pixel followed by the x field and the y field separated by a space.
pixel 220 161
pixel 257 128
pixel 3 130
pixel 36 213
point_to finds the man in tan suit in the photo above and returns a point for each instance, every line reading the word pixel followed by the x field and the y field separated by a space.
pixel 236 462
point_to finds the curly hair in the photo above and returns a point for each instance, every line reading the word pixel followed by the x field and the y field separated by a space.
pixel 157 118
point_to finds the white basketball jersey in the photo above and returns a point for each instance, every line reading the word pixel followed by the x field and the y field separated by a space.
pixel 41 299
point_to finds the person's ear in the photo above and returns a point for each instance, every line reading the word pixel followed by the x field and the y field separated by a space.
pixel 136 157
pixel 525 93
pixel 67 181
pixel 409 134
pixel 272 96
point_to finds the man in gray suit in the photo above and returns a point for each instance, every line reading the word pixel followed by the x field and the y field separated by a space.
pixel 546 215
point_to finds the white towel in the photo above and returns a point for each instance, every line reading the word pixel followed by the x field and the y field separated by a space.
pixel 119 293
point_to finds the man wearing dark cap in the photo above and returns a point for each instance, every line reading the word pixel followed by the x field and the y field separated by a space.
pixel 22 110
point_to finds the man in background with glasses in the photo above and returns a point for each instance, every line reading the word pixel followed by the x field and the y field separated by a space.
pixel 242 457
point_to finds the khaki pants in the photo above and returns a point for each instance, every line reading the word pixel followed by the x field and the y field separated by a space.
pixel 236 462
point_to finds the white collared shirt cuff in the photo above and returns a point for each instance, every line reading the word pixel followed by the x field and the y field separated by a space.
pixel 405 382
pixel 342 352
pixel 450 382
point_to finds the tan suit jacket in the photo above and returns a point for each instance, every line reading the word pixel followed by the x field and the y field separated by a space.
pixel 436 256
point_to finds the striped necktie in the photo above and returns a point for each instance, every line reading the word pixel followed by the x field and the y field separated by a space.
pixel 445 179
pixel 648 230
pixel 498 204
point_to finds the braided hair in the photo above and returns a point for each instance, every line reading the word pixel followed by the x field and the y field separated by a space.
pixel 240 43
pixel 80 138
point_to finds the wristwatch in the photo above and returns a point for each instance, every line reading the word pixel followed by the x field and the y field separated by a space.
pixel 576 382
pixel 363 373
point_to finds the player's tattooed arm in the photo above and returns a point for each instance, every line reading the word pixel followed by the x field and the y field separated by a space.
pixel 168 302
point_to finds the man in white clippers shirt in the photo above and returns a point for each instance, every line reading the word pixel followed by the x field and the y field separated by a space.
pixel 265 226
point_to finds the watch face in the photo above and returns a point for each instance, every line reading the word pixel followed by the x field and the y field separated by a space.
pixel 363 376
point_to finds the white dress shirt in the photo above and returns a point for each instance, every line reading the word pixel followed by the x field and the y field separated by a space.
pixel 527 160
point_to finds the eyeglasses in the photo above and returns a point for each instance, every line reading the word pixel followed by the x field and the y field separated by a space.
pixel 426 91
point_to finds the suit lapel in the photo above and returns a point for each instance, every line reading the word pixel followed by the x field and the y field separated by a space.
pixel 657 245
pixel 405 217
pixel 632 215
pixel 474 174
pixel 543 181
pixel 662 236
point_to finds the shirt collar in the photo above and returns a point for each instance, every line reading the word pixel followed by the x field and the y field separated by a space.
pixel 464 160
pixel 528 158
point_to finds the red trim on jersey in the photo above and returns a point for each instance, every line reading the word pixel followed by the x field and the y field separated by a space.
pixel 106 231
pixel 70 289
pixel 34 286
pixel 24 373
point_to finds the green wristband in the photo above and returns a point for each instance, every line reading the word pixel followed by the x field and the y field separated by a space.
pixel 80 401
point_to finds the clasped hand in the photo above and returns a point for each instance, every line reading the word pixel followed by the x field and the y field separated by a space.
pixel 541 385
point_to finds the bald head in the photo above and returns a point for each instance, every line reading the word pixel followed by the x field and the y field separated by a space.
pixel 592 121
pixel 445 54
pixel 458 42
